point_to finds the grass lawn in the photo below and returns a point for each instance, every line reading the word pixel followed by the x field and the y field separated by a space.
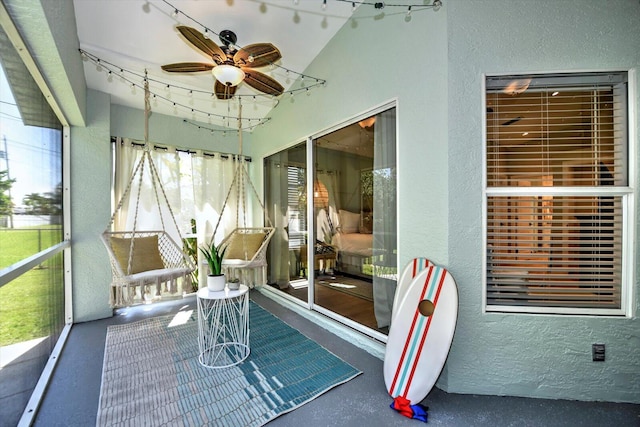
pixel 32 305
pixel 18 244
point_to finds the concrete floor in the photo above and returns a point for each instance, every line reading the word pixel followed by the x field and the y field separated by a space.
pixel 72 396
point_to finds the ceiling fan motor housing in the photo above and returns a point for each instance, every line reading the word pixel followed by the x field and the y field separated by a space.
pixel 228 37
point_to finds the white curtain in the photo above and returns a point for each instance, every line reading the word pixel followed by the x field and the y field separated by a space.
pixel 277 189
pixel 149 206
pixel 384 216
pixel 126 157
pixel 213 183
pixel 195 185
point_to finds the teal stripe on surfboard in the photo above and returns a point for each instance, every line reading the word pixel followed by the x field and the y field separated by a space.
pixel 419 331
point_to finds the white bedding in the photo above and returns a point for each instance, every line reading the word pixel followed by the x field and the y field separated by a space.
pixel 354 243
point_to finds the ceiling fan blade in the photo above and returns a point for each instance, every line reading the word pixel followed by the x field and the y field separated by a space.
pixel 262 82
pixel 198 40
pixel 223 91
pixel 257 55
pixel 187 67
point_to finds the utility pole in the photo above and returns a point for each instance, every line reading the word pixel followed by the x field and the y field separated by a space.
pixel 5 154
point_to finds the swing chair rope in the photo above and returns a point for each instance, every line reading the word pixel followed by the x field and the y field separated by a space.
pixel 239 179
pixel 164 195
pixel 139 172
pixel 158 261
pixel 124 197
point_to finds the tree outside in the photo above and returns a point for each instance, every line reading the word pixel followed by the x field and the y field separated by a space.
pixel 6 205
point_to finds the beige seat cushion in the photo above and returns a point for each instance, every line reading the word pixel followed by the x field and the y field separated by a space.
pixel 244 245
pixel 145 254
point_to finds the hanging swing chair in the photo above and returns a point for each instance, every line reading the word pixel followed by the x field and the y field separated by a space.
pixel 245 257
pixel 140 259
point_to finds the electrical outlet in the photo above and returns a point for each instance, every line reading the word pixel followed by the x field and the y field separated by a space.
pixel 597 350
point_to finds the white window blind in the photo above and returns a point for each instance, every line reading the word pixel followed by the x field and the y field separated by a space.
pixel 556 191
pixel 297 213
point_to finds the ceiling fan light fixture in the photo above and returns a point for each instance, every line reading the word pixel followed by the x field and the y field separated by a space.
pixel 228 74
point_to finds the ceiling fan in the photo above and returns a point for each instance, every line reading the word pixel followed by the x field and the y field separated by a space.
pixel 231 65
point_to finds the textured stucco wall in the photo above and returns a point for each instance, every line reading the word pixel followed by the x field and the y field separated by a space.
pixel 372 60
pixel 539 356
pixel 129 122
pixel 91 210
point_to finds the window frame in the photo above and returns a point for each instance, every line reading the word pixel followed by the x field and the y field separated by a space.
pixel 627 194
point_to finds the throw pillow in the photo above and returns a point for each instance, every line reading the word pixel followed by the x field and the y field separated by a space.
pixel 145 254
pixel 243 245
pixel 349 221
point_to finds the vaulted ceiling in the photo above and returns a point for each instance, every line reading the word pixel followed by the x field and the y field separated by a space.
pixel 122 39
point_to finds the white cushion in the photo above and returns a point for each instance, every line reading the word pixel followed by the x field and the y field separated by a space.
pixel 349 221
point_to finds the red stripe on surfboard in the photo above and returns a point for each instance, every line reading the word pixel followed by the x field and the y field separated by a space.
pixel 413 324
pixel 424 335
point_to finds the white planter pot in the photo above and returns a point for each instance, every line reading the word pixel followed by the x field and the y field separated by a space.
pixel 216 283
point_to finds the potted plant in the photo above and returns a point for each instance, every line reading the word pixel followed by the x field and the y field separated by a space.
pixel 214 255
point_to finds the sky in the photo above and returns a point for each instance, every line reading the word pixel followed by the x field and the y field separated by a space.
pixel 31 154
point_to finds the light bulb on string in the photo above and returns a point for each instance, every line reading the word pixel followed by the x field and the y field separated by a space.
pixel 409 12
pixel 175 13
pixel 324 4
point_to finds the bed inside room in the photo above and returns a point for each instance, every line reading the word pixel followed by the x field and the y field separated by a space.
pixel 354 219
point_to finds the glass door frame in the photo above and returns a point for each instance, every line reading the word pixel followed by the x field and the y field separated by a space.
pixel 311 222
pixel 311 218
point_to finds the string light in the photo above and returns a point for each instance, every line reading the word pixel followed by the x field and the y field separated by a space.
pixel 436 5
pixel 156 96
pixel 324 5
pixel 112 68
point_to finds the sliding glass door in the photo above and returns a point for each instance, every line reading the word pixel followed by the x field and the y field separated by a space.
pixel 337 250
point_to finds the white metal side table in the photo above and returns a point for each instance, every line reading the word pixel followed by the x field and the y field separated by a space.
pixel 223 327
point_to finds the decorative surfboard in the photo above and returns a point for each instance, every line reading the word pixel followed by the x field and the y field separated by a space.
pixel 410 271
pixel 420 335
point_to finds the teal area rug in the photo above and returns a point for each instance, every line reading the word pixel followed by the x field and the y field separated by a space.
pixel 151 374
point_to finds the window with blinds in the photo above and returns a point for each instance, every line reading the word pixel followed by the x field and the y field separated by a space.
pixel 296 186
pixel 556 193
